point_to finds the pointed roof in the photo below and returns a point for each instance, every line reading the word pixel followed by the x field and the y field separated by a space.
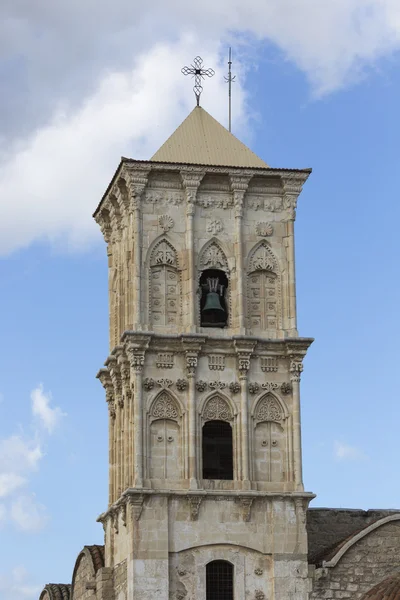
pixel 201 140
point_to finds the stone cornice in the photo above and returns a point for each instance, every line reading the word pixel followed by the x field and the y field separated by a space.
pixel 137 171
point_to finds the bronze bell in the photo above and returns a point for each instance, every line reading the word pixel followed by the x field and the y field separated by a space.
pixel 212 302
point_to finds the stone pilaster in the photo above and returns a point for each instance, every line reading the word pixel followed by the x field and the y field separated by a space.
pixel 191 181
pixel 239 186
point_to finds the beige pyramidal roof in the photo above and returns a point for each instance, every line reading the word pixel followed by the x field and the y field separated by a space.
pixel 201 140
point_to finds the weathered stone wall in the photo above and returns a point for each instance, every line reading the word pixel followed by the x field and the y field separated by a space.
pixel 327 527
pixel 120 581
pixel 83 575
pixel 369 561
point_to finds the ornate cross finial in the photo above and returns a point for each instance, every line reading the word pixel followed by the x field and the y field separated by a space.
pixel 197 71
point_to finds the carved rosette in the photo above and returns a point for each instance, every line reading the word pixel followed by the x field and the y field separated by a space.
pixel 166 222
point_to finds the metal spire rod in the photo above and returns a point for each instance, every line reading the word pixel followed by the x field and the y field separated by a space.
pixel 229 80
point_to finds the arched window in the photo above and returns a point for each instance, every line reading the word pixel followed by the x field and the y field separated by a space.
pixel 219 580
pixel 217 450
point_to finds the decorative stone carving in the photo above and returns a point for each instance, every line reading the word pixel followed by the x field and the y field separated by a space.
pixel 213 257
pixel 269 386
pixel 269 409
pixel 216 362
pixel 259 595
pixel 214 201
pixel 164 383
pixel 148 384
pixel 269 364
pixel 201 386
pixel 182 572
pixel 215 226
pixel 296 368
pixel 254 388
pixel 262 259
pixel 258 572
pixel 243 364
pixel 286 388
pixel 164 254
pixel 166 222
pixel 246 503
pixel 264 229
pixel 181 385
pixel 164 301
pixel 165 360
pixel 234 387
pixel 165 408
pixel 136 503
pixel 191 363
pixel 217 385
pixel 217 409
pixel 194 505
pixel 164 198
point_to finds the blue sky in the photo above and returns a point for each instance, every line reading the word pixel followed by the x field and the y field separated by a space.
pixel 323 93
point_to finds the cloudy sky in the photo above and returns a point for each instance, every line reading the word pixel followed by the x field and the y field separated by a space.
pixel 84 82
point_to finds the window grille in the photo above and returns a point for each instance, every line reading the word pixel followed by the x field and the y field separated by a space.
pixel 219 580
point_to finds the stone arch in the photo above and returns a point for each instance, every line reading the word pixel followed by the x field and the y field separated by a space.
pixel 270 439
pixel 164 285
pixel 357 537
pixel 56 591
pixel 264 306
pixel 165 405
pixel 214 257
pixel 217 406
pixel 88 562
pixel 165 433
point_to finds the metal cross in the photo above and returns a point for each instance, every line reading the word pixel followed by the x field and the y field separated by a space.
pixel 197 71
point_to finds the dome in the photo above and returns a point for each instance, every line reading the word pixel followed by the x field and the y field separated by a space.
pixel 388 589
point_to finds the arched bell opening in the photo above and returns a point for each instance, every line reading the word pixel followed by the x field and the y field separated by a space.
pixel 217 450
pixel 213 304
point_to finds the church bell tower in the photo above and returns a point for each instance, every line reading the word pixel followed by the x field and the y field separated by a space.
pixel 206 498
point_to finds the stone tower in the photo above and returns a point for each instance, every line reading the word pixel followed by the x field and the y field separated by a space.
pixel 206 499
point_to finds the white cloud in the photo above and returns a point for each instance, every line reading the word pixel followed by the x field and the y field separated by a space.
pixel 48 416
pixel 19 455
pixel 68 164
pixel 343 451
pixel 9 482
pixel 28 515
pixel 100 108
pixel 17 585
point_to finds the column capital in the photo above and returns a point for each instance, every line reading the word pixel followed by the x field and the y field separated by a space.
pixel 292 184
pixel 136 181
pixel 239 185
pixel 191 181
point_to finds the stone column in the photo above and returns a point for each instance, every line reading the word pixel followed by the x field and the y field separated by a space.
pixel 191 364
pixel 239 186
pixel 296 367
pixel 105 379
pixel 135 350
pixel 292 185
pixel 191 181
pixel 136 181
pixel 127 396
pixel 244 352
